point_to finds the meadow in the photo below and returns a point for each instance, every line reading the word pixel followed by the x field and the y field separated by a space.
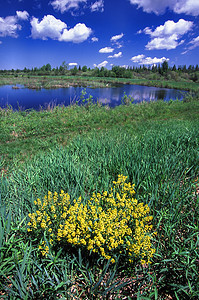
pixel 70 228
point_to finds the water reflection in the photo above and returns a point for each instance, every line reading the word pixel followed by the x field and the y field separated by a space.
pixel 112 96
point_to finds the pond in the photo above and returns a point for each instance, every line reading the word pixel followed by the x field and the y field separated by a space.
pixel 23 98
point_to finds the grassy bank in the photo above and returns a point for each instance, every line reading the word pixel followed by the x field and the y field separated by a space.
pixel 24 133
pixel 48 82
pixel 82 150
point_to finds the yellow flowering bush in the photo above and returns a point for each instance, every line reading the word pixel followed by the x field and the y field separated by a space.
pixel 109 224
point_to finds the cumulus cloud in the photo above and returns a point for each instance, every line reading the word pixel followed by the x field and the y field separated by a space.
pixel 106 50
pixel 95 39
pixel 102 64
pixel 9 26
pixel 49 27
pixel 117 37
pixel 116 55
pixel 72 64
pixel 163 43
pixel 24 15
pixel 137 58
pixel 169 28
pixel 66 5
pixel 78 34
pixel 168 36
pixel 189 7
pixel 142 60
pixel 53 28
pixel 98 6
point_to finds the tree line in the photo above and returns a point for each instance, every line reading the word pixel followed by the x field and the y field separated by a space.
pixel 150 72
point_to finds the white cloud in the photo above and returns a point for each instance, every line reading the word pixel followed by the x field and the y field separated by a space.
pixel 0 42
pixel 106 50
pixel 194 43
pixel 163 43
pixel 53 28
pixel 124 66
pixel 65 5
pixel 78 34
pixel 137 58
pixel 169 28
pixel 98 6
pixel 72 64
pixel 9 26
pixel 117 37
pixel 142 60
pixel 168 36
pixel 95 39
pixel 118 45
pixel 22 14
pixel 102 64
pixel 116 55
pixel 49 27
pixel 189 7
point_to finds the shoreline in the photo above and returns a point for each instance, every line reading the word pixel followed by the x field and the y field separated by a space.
pixel 54 82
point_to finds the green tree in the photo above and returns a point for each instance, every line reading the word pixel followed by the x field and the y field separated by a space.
pixel 165 67
pixel 84 68
pixel 74 71
pixel 48 67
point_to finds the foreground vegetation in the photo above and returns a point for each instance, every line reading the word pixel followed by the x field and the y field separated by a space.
pixel 81 150
pixel 25 133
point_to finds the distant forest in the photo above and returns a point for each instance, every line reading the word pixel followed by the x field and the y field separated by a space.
pixel 154 72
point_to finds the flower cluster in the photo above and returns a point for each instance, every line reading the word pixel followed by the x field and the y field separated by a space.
pixel 109 223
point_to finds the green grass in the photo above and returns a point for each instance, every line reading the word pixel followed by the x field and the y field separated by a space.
pixel 156 145
pixel 37 82
pixel 25 133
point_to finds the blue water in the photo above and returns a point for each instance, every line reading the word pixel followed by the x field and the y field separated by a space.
pixel 24 98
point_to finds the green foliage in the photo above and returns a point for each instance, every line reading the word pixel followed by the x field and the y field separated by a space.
pixel 24 133
pixel 127 100
pixel 155 145
pixel 172 75
pixel 84 68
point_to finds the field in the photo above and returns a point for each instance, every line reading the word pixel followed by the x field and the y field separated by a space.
pixel 82 150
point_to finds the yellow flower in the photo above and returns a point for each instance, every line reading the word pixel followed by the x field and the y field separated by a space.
pixel 120 223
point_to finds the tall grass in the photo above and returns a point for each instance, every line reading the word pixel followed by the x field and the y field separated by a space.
pixel 162 159
pixel 24 133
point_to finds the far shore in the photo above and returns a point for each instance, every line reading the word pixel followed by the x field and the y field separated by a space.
pixel 53 82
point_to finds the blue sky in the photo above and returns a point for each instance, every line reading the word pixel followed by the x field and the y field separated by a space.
pixel 98 32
